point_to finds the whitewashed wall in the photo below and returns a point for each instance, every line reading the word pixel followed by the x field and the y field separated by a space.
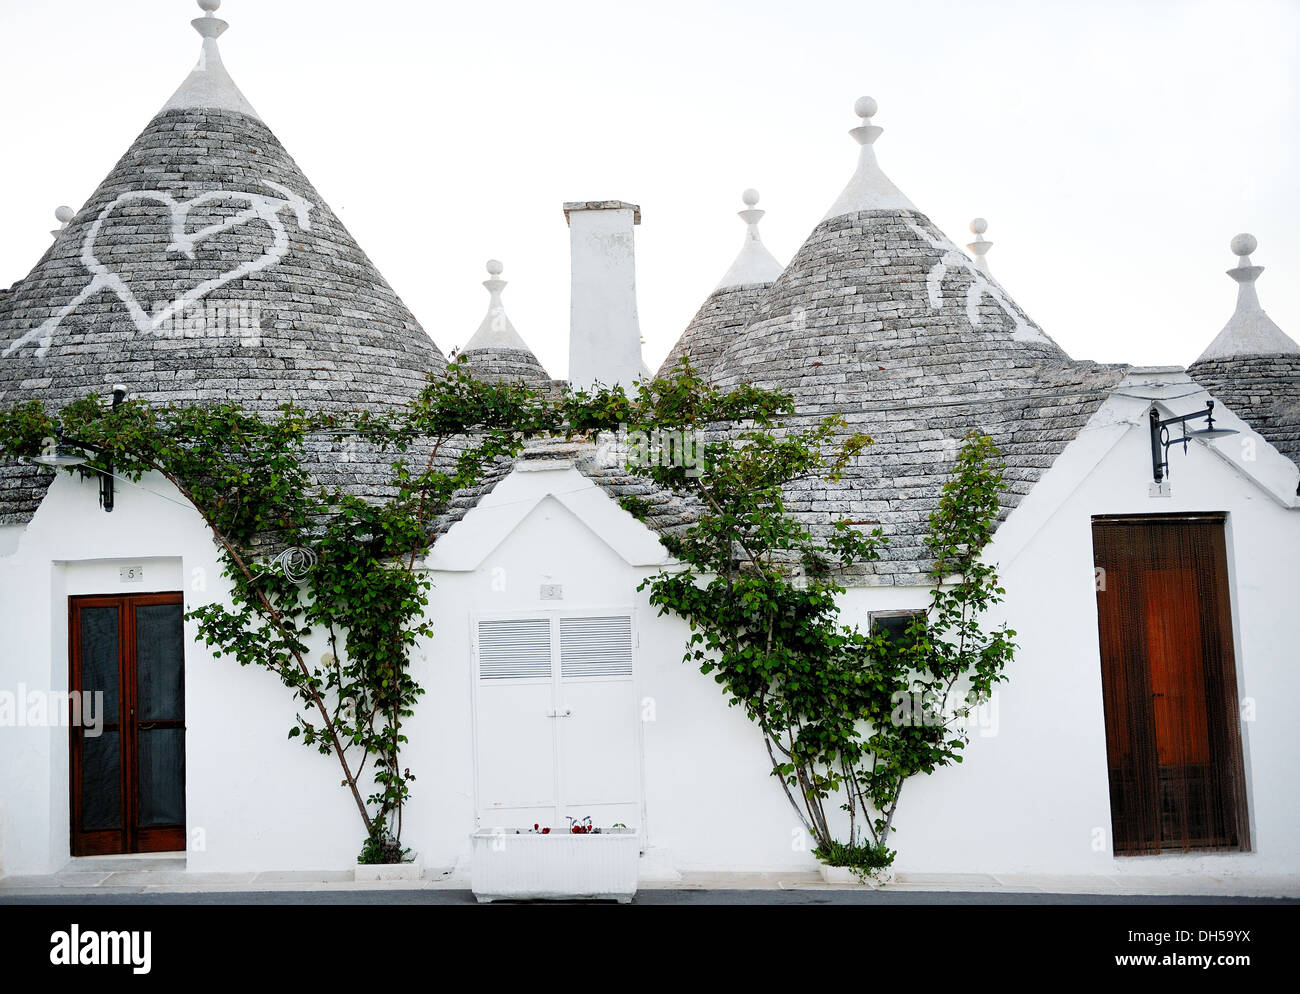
pixel 1031 796
pixel 254 800
pixel 709 800
pixel 1034 797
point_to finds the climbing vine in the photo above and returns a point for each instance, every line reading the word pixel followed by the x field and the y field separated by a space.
pixel 310 562
pixel 847 716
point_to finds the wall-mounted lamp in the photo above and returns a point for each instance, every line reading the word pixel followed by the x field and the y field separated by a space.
pixel 59 456
pixel 1160 440
pixel 106 477
pixel 68 454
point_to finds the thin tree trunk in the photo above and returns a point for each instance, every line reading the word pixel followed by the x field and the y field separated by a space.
pixel 278 620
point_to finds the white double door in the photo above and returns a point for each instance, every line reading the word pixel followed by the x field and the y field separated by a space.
pixel 557 721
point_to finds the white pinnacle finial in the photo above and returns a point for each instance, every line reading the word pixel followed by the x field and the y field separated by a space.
pixel 869 189
pixel 495 284
pixel 63 215
pixel 1242 247
pixel 209 86
pixel 1243 272
pixel 495 331
pixel 866 133
pixel 754 264
pixel 209 25
pixel 980 246
pixel 1249 331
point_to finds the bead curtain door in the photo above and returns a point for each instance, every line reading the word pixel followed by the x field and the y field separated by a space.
pixel 1169 685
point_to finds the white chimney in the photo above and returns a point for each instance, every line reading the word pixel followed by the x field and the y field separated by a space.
pixel 604 333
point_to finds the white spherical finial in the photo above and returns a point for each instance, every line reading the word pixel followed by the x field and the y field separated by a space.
pixel 64 214
pixel 864 107
pixel 980 246
pixel 209 6
pixel 750 197
pixel 494 267
pixel 1243 244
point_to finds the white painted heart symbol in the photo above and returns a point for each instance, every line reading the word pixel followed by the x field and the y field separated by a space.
pixel 980 286
pixel 260 208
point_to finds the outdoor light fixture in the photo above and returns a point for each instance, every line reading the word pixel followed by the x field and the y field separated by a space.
pixel 1160 440
pixel 59 456
pixel 68 454
pixel 106 477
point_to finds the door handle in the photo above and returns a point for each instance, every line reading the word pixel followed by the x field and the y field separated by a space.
pixel 147 725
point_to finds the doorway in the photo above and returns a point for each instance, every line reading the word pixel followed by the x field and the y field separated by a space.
pixel 128 781
pixel 556 721
pixel 1169 684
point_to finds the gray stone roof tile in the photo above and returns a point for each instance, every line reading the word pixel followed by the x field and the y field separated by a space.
pixel 1262 390
pixel 496 365
pixel 208 209
pixel 720 318
pixel 879 317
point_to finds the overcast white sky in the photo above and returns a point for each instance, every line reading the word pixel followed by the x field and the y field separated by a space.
pixel 1114 147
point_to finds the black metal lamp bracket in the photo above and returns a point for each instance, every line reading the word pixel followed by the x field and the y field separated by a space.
pixel 1160 440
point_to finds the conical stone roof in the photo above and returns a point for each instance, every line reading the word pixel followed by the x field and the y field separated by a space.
pixel 497 353
pixel 881 318
pixel 721 317
pixel 1252 365
pixel 732 304
pixel 206 267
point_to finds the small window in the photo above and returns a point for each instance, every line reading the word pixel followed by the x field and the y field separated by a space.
pixel 893 623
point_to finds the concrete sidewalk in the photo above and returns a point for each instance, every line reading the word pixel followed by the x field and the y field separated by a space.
pixel 136 875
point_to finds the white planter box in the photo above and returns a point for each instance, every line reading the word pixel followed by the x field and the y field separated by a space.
pixel 842 875
pixel 555 866
pixel 372 872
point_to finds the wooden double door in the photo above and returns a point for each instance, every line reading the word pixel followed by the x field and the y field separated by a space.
pixel 1169 684
pixel 128 775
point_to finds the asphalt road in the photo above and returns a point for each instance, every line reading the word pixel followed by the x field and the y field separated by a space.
pixel 645 897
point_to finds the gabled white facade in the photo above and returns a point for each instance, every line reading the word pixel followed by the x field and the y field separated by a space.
pixel 1031 796
pixel 548 562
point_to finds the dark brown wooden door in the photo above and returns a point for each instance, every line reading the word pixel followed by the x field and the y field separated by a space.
pixel 1169 684
pixel 128 782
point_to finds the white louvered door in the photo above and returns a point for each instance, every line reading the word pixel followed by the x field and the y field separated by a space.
pixel 556 721
pixel 599 745
pixel 515 691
